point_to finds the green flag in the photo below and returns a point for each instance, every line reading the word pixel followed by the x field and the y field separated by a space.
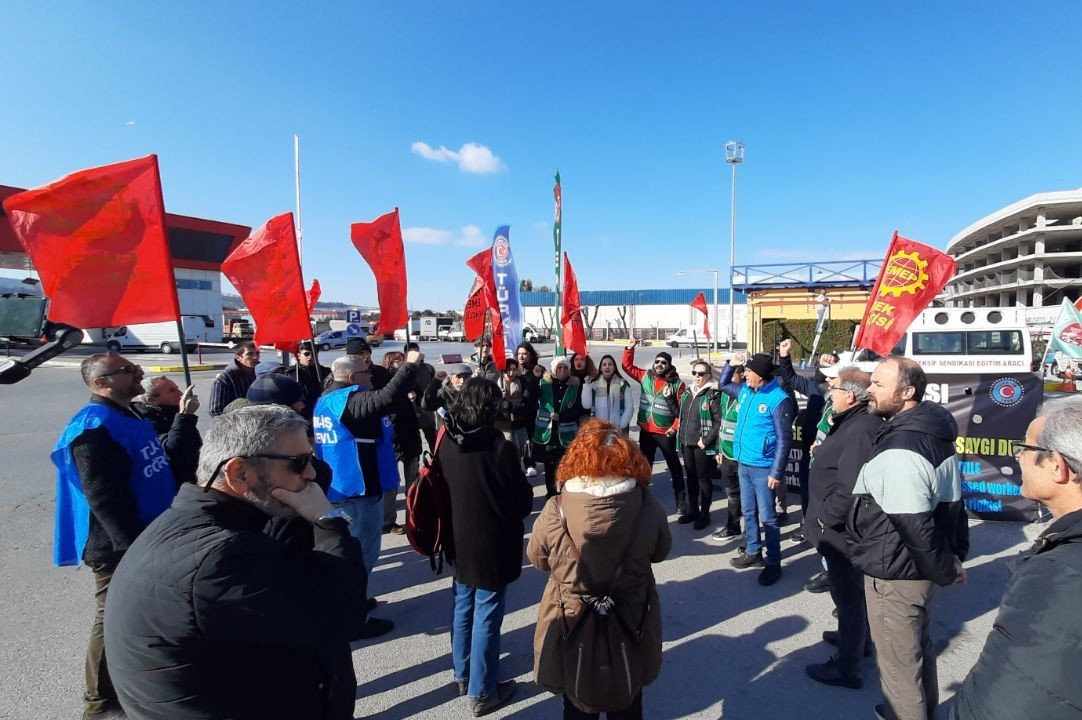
pixel 1067 331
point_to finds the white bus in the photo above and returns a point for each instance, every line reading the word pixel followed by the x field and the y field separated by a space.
pixel 961 341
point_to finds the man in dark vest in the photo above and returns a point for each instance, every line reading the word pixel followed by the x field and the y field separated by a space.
pixel 659 404
pixel 234 381
pixel 114 477
pixel 354 436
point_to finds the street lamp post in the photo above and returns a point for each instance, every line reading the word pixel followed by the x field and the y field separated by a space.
pixel 681 273
pixel 734 155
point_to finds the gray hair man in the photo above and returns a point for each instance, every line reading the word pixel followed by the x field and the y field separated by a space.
pixel 114 477
pixel 909 533
pixel 1026 668
pixel 206 606
pixel 838 461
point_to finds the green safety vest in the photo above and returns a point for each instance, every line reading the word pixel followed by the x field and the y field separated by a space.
pixel 543 428
pixel 730 408
pixel 653 406
pixel 706 419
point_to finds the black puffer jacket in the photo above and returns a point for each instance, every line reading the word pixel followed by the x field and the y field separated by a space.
pixel 489 499
pixel 209 617
pixel 1029 665
pixel 906 520
pixel 834 473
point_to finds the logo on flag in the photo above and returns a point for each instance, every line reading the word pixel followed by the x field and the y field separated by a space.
pixel 904 273
pixel 501 251
pixel 1006 392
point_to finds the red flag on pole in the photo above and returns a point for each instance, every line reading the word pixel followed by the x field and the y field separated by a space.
pixel 573 333
pixel 313 296
pixel 485 290
pixel 380 244
pixel 97 238
pixel 473 318
pixel 699 303
pixel 266 271
pixel 912 275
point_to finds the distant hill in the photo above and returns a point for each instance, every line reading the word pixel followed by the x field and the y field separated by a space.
pixel 234 302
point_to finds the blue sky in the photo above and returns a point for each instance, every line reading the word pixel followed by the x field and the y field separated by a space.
pixel 859 118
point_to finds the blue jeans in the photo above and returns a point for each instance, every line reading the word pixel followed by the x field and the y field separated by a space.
pixel 475 637
pixel 757 500
pixel 367 526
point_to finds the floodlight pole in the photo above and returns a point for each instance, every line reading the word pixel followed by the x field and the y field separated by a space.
pixel 734 155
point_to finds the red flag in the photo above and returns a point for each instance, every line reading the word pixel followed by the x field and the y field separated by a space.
pixel 266 271
pixel 574 335
pixel 473 322
pixel 97 238
pixel 1078 304
pixel 912 275
pixel 380 244
pixel 485 291
pixel 699 303
pixel 313 295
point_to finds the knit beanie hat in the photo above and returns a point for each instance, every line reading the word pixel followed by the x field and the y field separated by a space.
pixel 762 364
pixel 557 362
pixel 666 356
pixel 275 390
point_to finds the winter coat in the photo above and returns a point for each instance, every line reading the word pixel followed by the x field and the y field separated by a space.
pixel 764 423
pixel 1028 664
pixel 692 428
pixel 313 386
pixel 175 431
pixel 838 461
pixel 657 410
pixel 489 499
pixel 907 520
pixel 209 617
pixel 438 396
pixel 601 519
pixel 604 399
pixel 512 416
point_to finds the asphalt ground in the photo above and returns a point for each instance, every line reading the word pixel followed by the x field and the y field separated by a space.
pixel 732 649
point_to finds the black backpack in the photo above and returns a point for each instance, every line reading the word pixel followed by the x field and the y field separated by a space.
pixel 428 512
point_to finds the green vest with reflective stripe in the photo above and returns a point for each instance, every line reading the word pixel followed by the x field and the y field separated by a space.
pixel 706 418
pixel 730 408
pixel 543 428
pixel 653 406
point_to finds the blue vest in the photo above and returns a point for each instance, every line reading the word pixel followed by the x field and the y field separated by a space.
pixel 337 447
pixel 150 479
pixel 756 439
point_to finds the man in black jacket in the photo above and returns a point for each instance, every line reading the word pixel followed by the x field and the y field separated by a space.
pixel 908 533
pixel 115 476
pixel 1028 667
pixel 234 381
pixel 831 478
pixel 208 616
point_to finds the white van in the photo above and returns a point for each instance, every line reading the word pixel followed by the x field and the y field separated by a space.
pixel 688 336
pixel 161 336
pixel 961 340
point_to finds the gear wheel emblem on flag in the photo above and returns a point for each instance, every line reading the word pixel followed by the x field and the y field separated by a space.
pixel 905 273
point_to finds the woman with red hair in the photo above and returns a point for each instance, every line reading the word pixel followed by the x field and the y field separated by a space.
pixel 605 513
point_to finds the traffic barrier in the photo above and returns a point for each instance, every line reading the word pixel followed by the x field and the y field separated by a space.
pixel 1068 384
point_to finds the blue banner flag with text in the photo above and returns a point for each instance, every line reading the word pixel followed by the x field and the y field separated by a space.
pixel 506 277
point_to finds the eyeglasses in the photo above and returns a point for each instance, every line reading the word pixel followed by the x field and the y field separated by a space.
pixel 836 389
pixel 699 373
pixel 1020 448
pixel 297 463
pixel 124 370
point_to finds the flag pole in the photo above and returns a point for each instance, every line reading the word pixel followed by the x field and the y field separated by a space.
pixel 176 298
pixel 557 238
pixel 300 243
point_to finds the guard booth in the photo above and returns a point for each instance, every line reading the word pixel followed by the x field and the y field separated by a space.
pixel 785 301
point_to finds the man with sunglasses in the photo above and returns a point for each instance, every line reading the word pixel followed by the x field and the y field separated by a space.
pixel 1028 666
pixel 908 533
pixel 311 375
pixel 659 406
pixel 209 616
pixel 114 477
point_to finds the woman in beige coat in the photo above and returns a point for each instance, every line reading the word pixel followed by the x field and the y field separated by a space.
pixel 610 514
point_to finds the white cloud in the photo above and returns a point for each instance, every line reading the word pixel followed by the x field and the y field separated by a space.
pixel 130 123
pixel 469 236
pixel 470 158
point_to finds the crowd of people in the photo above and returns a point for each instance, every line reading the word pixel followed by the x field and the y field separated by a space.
pixel 203 546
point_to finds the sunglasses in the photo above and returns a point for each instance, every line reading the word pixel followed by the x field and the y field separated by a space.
pixel 297 463
pixel 699 373
pixel 306 353
pixel 660 362
pixel 124 370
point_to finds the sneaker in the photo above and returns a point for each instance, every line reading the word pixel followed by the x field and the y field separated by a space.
pixel 375 628
pixel 797 537
pixel 743 560
pixel 830 637
pixel 769 575
pixel 494 700
pixel 830 673
pixel 726 532
pixel 819 583
pixel 834 613
pixel 881 712
pixel 531 472
pixel 688 517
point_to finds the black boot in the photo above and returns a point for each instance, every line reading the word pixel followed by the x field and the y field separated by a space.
pixel 702 521
pixel 682 503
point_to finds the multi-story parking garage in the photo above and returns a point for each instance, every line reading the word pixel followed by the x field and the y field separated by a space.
pixel 1027 254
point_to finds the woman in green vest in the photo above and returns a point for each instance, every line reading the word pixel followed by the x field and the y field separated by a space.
pixel 558 410
pixel 697 440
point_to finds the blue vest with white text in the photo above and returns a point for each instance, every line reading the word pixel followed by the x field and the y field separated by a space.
pixel 756 439
pixel 150 478
pixel 336 446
